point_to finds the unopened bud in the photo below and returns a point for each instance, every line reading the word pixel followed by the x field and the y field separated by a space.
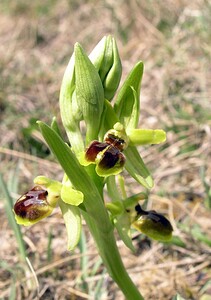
pixel 105 58
pixel 89 92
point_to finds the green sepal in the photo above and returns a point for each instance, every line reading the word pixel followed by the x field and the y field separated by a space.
pixel 70 195
pixel 105 58
pixel 136 167
pixel 127 105
pixel 146 136
pixel 82 159
pixel 72 219
pixel 89 93
pixel 53 188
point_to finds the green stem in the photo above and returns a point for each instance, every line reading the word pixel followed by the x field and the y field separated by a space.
pixel 112 260
pixel 96 214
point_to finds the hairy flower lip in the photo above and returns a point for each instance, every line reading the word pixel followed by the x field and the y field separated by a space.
pixel 33 204
pixel 110 157
pixel 154 225
pixel 94 149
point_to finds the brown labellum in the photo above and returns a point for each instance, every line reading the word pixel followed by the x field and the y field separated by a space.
pixel 33 204
pixel 94 148
pixel 111 157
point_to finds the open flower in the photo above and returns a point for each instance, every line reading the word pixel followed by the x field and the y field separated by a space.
pixel 34 205
pixel 153 224
pixel 107 155
pixel 39 202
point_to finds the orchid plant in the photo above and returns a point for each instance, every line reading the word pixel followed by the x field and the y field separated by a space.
pixel 101 126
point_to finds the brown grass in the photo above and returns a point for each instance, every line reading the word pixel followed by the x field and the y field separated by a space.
pixel 173 40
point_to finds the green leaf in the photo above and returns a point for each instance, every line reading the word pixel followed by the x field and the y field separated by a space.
pixel 136 167
pixel 146 136
pixel 72 219
pixel 55 126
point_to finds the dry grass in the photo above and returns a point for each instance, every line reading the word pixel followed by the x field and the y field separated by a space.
pixel 173 39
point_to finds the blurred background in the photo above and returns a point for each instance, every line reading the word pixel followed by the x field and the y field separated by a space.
pixel 173 39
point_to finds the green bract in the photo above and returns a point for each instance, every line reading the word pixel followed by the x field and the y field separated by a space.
pixel 127 105
pixel 89 93
pixel 70 111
